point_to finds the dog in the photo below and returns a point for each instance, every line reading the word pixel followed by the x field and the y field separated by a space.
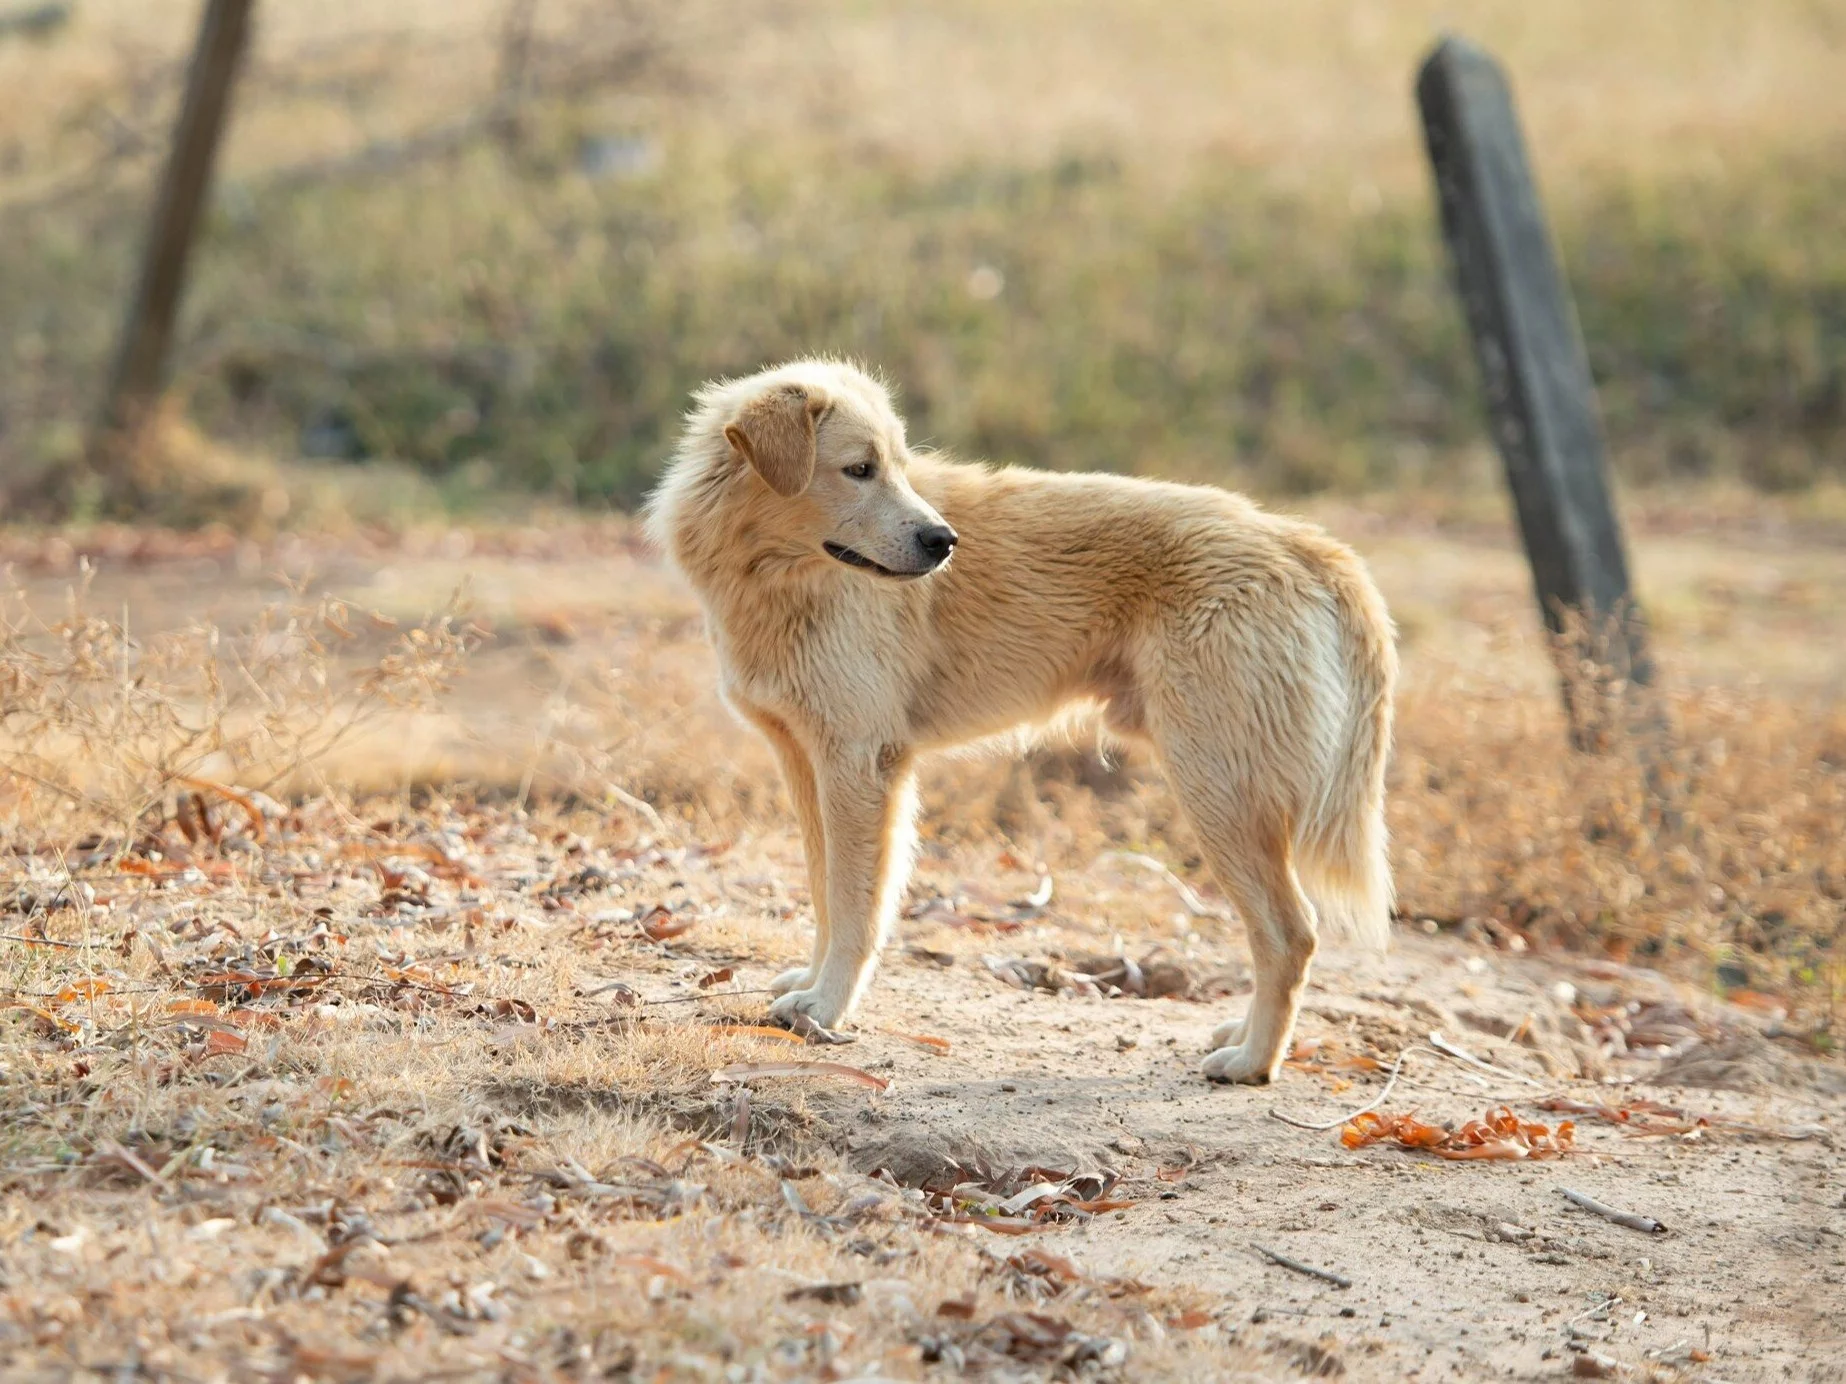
pixel 869 602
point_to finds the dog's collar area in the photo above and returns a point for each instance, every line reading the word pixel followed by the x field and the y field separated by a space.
pixel 842 553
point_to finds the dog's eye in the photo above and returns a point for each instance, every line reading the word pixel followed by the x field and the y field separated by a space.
pixel 861 470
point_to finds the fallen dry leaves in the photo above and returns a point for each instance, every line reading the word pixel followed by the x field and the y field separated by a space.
pixel 1498 1135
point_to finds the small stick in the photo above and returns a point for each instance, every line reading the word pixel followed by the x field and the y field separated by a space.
pixel 1646 1224
pixel 1367 1108
pixel 41 942
pixel 1338 1280
pixel 1196 905
pixel 1443 1045
pixel 1605 1305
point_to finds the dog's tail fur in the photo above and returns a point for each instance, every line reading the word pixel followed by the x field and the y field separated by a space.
pixel 1340 853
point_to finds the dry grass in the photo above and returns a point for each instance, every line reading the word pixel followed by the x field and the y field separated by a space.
pixel 349 1087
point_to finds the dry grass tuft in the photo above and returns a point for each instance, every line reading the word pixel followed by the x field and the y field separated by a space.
pixel 102 725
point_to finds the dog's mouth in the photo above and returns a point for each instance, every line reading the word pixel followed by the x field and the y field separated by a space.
pixel 851 558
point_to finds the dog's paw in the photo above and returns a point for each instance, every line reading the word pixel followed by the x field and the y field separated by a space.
pixel 797 979
pixel 1236 1064
pixel 1229 1034
pixel 821 1005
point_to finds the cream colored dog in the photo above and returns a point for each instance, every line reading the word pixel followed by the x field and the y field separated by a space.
pixel 1253 652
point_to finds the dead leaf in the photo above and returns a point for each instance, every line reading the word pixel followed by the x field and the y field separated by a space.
pixel 833 1294
pixel 659 925
pixel 940 1046
pixel 1000 1225
pixel 511 1212
pixel 781 1035
pixel 648 1263
pixel 1499 1135
pixel 218 1042
pixel 86 989
pixel 711 978
pixel 1060 1272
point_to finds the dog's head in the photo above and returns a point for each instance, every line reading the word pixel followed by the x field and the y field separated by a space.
pixel 828 453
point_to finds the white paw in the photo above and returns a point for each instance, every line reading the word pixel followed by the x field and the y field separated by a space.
pixel 825 1007
pixel 1230 1033
pixel 1236 1064
pixel 797 979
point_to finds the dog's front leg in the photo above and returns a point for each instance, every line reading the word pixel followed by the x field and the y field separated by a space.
pixel 804 790
pixel 867 804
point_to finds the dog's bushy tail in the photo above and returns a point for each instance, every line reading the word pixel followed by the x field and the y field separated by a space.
pixel 1340 854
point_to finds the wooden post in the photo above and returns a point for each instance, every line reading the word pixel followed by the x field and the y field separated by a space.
pixel 1536 376
pixel 141 357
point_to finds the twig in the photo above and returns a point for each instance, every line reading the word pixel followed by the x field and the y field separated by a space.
pixel 1646 1224
pixel 1195 903
pixel 641 807
pixel 40 941
pixel 1368 1107
pixel 1593 1309
pixel 1338 1280
pixel 1461 1054
pixel 708 995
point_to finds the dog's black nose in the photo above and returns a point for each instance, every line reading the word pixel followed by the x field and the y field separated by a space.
pixel 937 542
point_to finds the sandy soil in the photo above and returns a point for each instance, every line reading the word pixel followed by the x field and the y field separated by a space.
pixel 1461 1270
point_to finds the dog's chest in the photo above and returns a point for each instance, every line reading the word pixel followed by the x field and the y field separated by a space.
pixel 814 656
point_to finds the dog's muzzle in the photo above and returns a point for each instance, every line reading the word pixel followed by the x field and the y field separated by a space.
pixel 935 543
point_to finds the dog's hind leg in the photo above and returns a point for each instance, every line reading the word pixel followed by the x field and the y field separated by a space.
pixel 1246 842
pixel 868 804
pixel 798 774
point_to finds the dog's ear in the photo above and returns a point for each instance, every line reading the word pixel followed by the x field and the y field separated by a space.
pixel 775 434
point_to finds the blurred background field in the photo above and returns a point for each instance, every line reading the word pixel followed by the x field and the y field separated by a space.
pixel 461 248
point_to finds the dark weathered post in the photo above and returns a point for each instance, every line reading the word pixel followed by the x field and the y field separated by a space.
pixel 141 357
pixel 1536 375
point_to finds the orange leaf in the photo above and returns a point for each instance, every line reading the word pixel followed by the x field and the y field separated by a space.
pixel 1500 1134
pixel 781 1035
pixel 1190 1321
pixel 1493 1148
pixel 86 989
pixel 922 1040
pixel 218 1042
pixel 649 1263
pixel 45 1016
pixel 659 925
pixel 192 1007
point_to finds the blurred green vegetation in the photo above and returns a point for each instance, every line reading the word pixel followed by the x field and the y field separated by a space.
pixel 495 321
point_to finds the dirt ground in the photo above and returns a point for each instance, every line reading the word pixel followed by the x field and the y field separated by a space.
pixel 485 993
pixel 1465 1270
